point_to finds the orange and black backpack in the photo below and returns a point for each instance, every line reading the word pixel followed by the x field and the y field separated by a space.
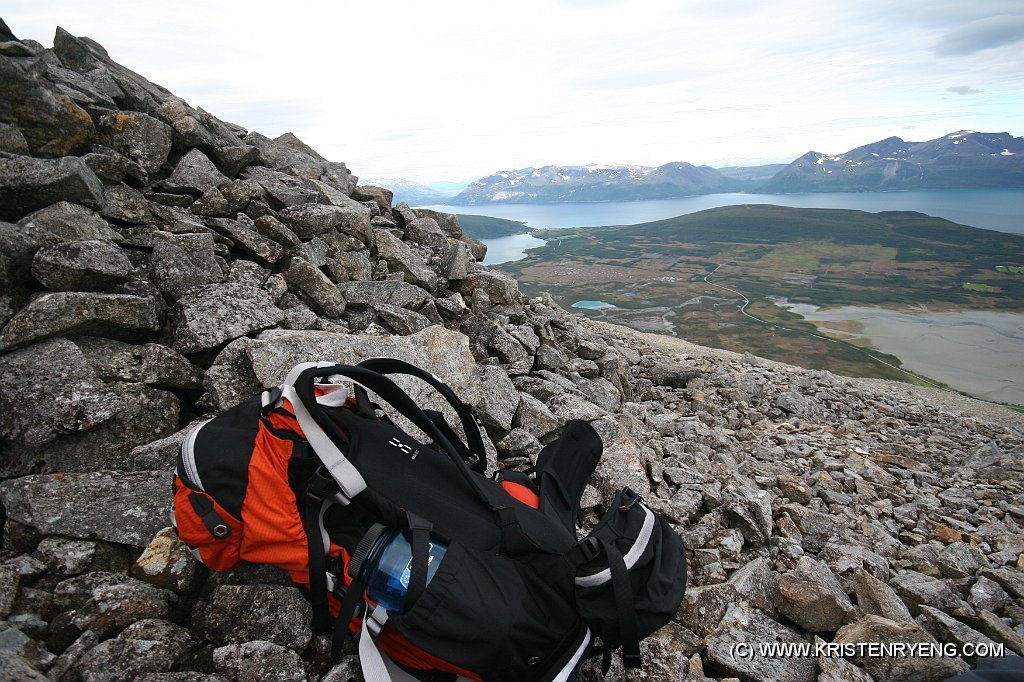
pixel 314 479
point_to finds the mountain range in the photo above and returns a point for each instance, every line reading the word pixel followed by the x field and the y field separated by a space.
pixel 960 160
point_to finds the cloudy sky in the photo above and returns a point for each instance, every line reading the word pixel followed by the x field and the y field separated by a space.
pixel 452 90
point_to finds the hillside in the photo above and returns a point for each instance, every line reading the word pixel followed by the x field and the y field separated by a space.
pixel 486 227
pixel 960 160
pixel 654 273
pixel 160 265
pixel 552 184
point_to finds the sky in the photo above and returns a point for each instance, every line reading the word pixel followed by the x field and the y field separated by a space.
pixel 453 90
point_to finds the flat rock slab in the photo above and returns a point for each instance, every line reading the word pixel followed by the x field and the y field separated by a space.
pixel 117 506
pixel 211 315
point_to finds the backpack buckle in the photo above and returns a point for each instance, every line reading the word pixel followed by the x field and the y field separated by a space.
pixel 321 487
pixel 628 500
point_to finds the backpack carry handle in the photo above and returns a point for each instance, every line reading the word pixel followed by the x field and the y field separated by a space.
pixel 396 397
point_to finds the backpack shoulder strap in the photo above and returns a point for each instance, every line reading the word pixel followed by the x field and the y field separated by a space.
pixel 468 415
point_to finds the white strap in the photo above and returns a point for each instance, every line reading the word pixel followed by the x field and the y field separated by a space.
pixel 341 470
pixel 377 667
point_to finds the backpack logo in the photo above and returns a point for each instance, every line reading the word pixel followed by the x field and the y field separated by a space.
pixel 404 448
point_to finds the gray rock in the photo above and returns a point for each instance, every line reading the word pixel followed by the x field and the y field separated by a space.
pixel 312 219
pixel 67 313
pixel 945 628
pixel 125 204
pixel 241 613
pixel 1011 581
pixel 124 507
pixel 64 222
pixel 457 262
pixel 874 597
pixel 230 379
pixel 147 646
pixel 426 232
pixel 400 258
pixel 81 266
pixel 960 560
pixel 64 556
pixel 361 294
pixel 247 238
pixel 750 508
pixel 704 607
pixel 499 399
pixel 28 184
pixel 505 346
pixel 567 407
pixel 991 625
pixel 916 589
pixel 258 660
pixel 813 598
pixel 757 584
pixel 817 528
pixel 227 199
pixel 15 643
pixel 673 374
pixel 61 667
pixel 401 321
pixel 502 289
pixel 114 167
pixel 10 579
pixel 550 357
pixel 195 174
pixel 281 189
pixel 142 138
pixel 897 668
pixel 836 668
pixel 381 196
pixel 211 315
pixel 168 564
pixel 623 462
pixel 748 626
pixel 519 443
pixel 148 363
pixel 104 603
pixel 184 261
pixel 987 595
pixel 534 417
pixel 303 276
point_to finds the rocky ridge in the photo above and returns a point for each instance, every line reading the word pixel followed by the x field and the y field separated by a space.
pixel 158 265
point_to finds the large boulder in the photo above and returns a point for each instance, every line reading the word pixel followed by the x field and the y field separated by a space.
pixel 733 646
pixel 140 137
pixel 209 316
pixel 28 184
pixel 884 632
pixel 242 613
pixel 91 265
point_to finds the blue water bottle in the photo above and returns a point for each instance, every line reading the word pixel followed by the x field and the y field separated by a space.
pixel 383 562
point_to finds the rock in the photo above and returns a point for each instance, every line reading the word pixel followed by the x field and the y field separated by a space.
pixel 812 597
pixel 457 262
pixel 666 653
pixel 401 321
pixel 123 507
pixel 15 643
pixel 142 138
pixel 704 607
pixel 61 667
pixel 195 174
pixel 66 557
pixel 750 508
pixel 113 167
pixel 148 363
pixel 673 374
pixel 426 232
pixel 502 289
pixel 994 627
pixel 147 646
pixel 14 668
pixel 400 258
pixel 749 627
pixel 987 595
pixel 123 316
pixel 104 603
pixel 916 589
pixel 1011 581
pixel 948 629
pixel 960 560
pixel 10 579
pixel 836 668
pixel 794 489
pixel 567 407
pixel 46 119
pixel 312 219
pixel 550 357
pixel 382 197
pixel 258 660
pixel 874 597
pixel 302 276
pixel 362 294
pixel 245 236
pixel 817 528
pixel 184 261
pixel 240 613
pixel 896 668
pixel 167 563
pixel 623 461
pixel 211 315
pixel 519 443
pixel 127 205
pixel 28 184
pixel 499 399
pixel 81 266
pixel 534 417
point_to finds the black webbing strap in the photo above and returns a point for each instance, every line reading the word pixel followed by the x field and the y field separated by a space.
pixel 420 528
pixel 629 631
pixel 397 398
pixel 467 413
pixel 353 598
pixel 317 567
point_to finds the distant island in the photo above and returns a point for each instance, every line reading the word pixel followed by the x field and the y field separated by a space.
pixel 960 160
pixel 687 276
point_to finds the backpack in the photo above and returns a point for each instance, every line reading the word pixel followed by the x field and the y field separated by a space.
pixel 306 476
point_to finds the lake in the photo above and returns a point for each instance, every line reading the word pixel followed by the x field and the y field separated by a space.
pixel 996 209
pixel 974 351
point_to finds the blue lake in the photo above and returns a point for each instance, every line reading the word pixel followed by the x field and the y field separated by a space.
pixel 592 305
pixel 997 209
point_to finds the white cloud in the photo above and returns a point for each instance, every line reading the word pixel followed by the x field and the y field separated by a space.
pixel 457 89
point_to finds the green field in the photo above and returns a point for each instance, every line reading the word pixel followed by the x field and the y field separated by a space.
pixel 654 274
